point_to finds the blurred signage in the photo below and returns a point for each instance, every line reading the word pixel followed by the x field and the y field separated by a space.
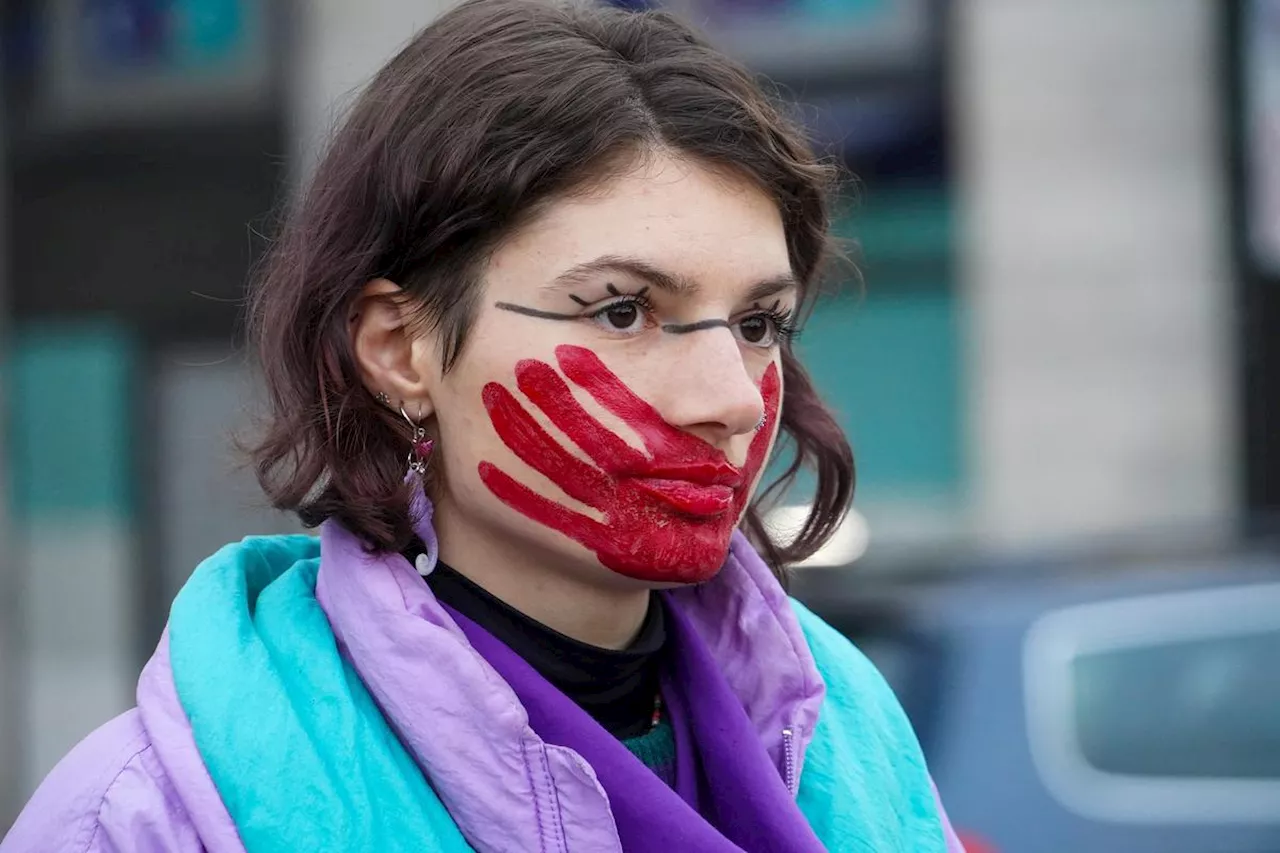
pixel 869 70
pixel 127 36
pixel 797 39
pixel 807 11
pixel 1261 45
pixel 145 59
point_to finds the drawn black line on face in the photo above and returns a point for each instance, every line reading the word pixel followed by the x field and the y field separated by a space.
pixel 613 291
pixel 535 312
pixel 556 315
pixel 669 328
pixel 686 328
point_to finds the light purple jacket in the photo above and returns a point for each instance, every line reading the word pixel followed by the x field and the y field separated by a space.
pixel 138 782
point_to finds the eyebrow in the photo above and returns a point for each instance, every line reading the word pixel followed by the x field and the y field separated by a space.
pixel 661 279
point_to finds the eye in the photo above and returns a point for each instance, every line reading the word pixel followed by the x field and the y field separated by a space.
pixel 757 330
pixel 766 328
pixel 627 315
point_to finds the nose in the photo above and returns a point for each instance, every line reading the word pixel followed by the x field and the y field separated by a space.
pixel 709 391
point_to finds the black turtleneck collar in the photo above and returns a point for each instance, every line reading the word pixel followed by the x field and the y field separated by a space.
pixel 616 687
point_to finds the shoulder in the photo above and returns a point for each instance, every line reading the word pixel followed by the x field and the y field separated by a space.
pixel 848 673
pixel 110 793
pixel 864 774
pixel 858 699
pixel 860 714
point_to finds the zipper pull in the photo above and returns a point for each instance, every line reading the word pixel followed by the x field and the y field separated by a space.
pixel 789 760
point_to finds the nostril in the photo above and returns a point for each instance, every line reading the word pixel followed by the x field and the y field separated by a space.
pixel 718 421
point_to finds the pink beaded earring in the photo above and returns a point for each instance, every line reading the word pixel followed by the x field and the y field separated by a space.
pixel 422 446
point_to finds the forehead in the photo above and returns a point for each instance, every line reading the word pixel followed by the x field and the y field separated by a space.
pixel 706 225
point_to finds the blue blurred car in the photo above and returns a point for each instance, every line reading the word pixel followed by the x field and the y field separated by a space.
pixel 1085 708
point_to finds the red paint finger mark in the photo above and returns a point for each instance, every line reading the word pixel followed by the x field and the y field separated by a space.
pixel 576 526
pixel 585 369
pixel 545 389
pixel 757 453
pixel 529 441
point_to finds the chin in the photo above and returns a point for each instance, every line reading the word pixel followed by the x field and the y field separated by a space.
pixel 673 558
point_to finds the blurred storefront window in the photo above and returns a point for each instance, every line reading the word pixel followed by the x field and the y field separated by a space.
pixel 144 140
pixel 116 60
pixel 1254 99
pixel 1261 67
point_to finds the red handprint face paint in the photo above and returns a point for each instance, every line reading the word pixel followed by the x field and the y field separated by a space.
pixel 668 512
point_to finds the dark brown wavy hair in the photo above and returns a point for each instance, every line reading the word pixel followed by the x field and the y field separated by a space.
pixel 492 112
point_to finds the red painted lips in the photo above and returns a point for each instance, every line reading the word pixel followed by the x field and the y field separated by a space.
pixel 689 498
pixel 704 488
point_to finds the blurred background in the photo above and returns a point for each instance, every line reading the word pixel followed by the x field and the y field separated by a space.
pixel 1060 370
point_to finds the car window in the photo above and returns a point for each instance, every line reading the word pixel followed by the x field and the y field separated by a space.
pixel 1159 707
pixel 1202 708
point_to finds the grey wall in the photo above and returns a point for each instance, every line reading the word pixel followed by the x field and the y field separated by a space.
pixel 342 45
pixel 1094 248
pixel 205 397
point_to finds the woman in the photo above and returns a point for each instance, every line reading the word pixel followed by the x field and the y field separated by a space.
pixel 527 345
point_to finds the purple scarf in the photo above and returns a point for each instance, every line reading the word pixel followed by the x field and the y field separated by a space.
pixel 729 797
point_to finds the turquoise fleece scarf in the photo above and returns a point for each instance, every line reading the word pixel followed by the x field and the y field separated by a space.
pixel 302 756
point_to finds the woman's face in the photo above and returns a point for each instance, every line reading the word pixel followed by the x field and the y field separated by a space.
pixel 619 392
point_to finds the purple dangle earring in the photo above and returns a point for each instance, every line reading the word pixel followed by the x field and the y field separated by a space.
pixel 421 447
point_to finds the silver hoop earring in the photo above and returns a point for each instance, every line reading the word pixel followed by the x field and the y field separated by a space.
pixel 760 425
pixel 420 450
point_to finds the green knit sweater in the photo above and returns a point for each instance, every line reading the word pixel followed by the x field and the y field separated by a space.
pixel 657 749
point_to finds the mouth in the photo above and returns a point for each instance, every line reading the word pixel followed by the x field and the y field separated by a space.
pixel 709 472
pixel 690 498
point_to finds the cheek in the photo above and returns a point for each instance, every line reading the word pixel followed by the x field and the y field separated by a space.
pixel 757 479
pixel 464 434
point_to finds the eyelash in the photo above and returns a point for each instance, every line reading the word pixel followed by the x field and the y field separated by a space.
pixel 640 300
pixel 784 326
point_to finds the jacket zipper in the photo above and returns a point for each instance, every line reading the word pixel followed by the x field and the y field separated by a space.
pixel 789 757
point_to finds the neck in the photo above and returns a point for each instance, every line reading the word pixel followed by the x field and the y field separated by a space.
pixel 588 602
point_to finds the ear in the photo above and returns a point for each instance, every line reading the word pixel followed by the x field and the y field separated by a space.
pixel 392 360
